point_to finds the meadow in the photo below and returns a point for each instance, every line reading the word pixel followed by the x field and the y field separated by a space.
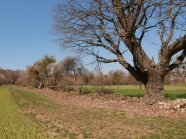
pixel 171 91
pixel 27 114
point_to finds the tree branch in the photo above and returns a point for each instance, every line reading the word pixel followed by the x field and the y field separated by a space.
pixel 178 60
pixel 100 58
pixel 178 45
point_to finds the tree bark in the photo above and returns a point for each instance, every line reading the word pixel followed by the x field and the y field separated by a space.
pixel 154 88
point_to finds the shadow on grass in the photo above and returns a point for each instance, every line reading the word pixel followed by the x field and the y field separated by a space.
pixel 175 94
pixel 170 94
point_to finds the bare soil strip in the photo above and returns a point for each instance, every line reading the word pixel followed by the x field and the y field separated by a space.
pixel 112 101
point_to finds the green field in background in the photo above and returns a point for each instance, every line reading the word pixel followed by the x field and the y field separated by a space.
pixel 171 92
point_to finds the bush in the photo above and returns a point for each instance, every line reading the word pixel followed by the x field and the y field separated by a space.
pixel 104 91
pixel 85 92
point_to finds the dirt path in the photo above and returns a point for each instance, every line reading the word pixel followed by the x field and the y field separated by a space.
pixel 130 105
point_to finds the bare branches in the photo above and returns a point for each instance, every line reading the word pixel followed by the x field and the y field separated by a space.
pixel 169 11
pixel 97 27
pixel 107 37
pixel 178 45
pixel 178 60
pixel 100 58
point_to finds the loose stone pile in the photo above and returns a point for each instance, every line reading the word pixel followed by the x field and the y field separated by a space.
pixel 176 105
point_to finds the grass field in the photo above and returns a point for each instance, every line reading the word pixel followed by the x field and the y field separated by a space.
pixel 29 115
pixel 13 125
pixel 171 92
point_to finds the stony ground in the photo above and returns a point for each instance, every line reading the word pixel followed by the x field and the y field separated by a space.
pixel 113 101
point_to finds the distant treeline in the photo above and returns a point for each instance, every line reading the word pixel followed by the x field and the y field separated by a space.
pixel 8 76
pixel 47 73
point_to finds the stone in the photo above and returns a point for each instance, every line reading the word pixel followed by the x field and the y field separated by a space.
pixel 176 105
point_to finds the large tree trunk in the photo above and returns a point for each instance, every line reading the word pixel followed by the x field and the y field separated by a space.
pixel 154 88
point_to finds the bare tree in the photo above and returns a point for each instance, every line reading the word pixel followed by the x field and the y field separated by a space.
pixel 116 76
pixel 71 65
pixel 98 27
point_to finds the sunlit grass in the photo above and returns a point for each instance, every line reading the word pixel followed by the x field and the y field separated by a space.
pixel 13 125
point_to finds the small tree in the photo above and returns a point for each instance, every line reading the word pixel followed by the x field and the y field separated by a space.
pixel 39 71
pixel 84 78
pixel 55 73
pixel 71 66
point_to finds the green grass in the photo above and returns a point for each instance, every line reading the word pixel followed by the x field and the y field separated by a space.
pixel 129 92
pixel 174 94
pixel 13 124
pixel 30 97
pixel 171 92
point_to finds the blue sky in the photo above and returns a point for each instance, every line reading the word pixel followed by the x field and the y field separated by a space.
pixel 25 34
